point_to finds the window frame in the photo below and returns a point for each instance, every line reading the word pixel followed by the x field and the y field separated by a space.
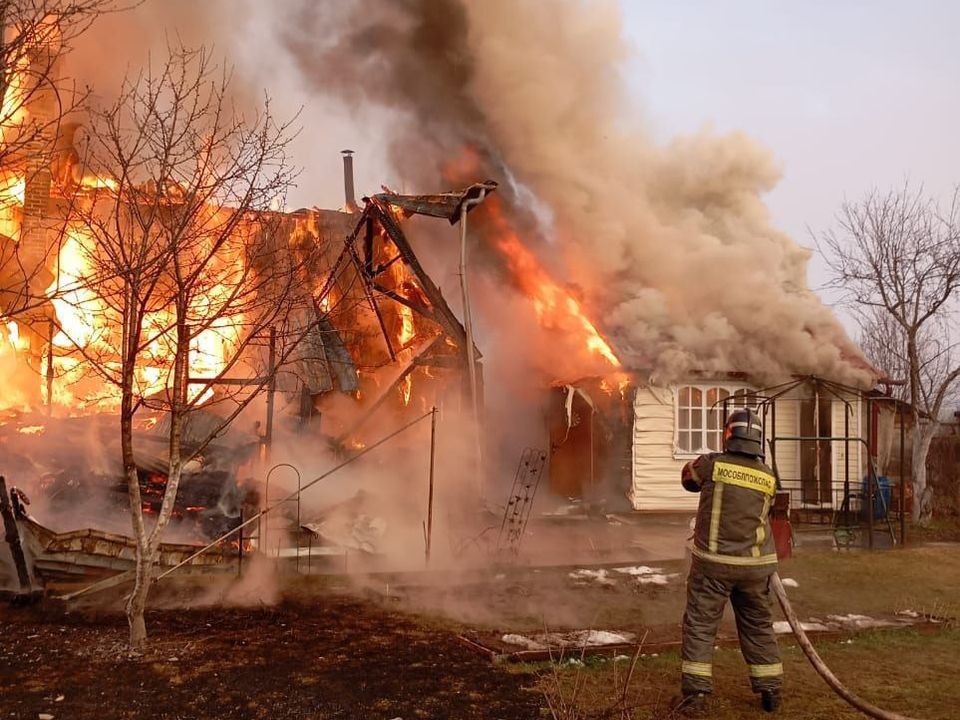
pixel 704 388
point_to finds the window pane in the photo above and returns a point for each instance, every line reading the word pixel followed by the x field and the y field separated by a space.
pixel 696 397
pixel 683 440
pixel 700 440
pixel 685 396
pixel 713 441
pixel 711 396
pixel 713 418
pixel 696 419
pixel 683 422
pixel 724 393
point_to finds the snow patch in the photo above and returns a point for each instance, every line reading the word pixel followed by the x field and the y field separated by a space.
pixel 522 641
pixel 601 576
pixel 575 639
pixel 647 575
pixel 782 627
pixel 859 622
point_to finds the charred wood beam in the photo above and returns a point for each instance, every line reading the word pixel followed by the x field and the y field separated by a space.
pixel 105 584
pixel 417 307
pixel 407 369
pixel 372 300
pixel 444 315
pixel 368 245
pixel 12 536
pixel 443 362
pixel 440 205
pixel 383 267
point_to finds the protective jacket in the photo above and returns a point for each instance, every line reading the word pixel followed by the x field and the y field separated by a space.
pixel 733 526
pixel 734 557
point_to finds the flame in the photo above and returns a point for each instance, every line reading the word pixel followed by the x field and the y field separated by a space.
pixel 14 108
pixel 618 381
pixel 88 324
pixel 406 330
pixel 31 430
pixel 85 321
pixel 12 190
pixel 554 306
pixel 398 213
pixel 13 336
pixel 406 387
pixel 96 182
pixel 13 185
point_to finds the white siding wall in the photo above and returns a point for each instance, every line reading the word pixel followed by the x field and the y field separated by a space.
pixel 788 452
pixel 787 425
pixel 656 470
pixel 839 450
pixel 656 473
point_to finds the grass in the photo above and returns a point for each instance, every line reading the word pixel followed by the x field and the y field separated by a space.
pixel 902 671
pixel 924 579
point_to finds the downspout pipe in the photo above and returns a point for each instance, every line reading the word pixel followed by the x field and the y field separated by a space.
pixel 468 328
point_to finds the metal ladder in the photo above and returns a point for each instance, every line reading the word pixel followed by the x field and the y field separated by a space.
pixel 520 501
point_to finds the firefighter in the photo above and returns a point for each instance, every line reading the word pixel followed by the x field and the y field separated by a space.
pixel 733 558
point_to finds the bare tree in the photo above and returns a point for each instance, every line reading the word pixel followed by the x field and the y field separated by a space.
pixel 36 116
pixel 895 259
pixel 179 267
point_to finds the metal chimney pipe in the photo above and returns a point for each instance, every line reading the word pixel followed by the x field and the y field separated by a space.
pixel 348 191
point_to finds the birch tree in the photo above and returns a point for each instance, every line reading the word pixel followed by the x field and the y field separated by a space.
pixel 181 266
pixel 895 259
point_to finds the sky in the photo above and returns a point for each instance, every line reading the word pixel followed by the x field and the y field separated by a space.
pixel 850 96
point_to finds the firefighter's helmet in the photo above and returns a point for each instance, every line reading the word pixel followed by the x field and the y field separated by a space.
pixel 743 433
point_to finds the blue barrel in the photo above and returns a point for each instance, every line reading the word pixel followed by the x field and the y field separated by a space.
pixel 881 497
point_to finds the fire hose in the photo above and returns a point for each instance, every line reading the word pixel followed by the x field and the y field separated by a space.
pixel 863 706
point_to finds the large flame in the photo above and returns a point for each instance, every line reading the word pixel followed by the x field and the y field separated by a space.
pixel 90 328
pixel 406 330
pixel 87 326
pixel 555 307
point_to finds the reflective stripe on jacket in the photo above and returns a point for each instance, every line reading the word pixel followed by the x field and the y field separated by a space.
pixel 733 527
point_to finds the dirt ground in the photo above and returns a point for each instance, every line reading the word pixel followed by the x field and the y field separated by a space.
pixel 386 647
pixel 335 657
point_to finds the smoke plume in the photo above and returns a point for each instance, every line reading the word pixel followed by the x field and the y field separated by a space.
pixel 671 245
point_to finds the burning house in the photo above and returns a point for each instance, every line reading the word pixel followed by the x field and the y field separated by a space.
pixel 601 274
pixel 324 318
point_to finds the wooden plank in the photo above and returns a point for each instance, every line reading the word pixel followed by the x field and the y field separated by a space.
pixel 12 536
pixel 106 584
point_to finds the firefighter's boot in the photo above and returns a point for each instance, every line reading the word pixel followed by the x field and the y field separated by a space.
pixel 770 700
pixel 691 705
